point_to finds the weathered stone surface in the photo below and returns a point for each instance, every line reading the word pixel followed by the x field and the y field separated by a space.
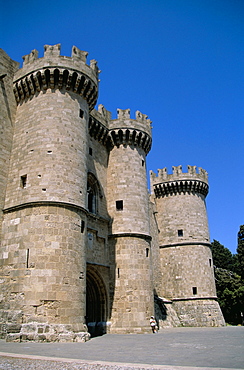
pixel 82 245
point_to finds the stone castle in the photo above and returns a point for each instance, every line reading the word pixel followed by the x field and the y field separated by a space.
pixel 84 247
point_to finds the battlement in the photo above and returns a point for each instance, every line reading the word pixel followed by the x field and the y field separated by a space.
pixel 124 121
pixel 123 114
pixel 52 51
pixel 193 172
pixel 130 132
pixel 194 180
pixel 104 113
pixel 52 55
pixel 56 71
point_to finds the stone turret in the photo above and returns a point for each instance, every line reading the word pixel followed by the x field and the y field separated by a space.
pixel 54 71
pixel 83 248
pixel 185 254
pixel 127 200
pixel 46 198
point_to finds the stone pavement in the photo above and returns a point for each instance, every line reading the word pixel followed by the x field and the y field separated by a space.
pixel 176 348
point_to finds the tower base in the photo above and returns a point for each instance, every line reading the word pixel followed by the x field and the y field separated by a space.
pixel 199 312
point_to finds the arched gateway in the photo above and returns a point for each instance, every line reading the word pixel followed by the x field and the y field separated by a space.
pixel 96 302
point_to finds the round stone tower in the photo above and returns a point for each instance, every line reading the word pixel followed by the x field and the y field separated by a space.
pixel 45 204
pixel 185 254
pixel 127 201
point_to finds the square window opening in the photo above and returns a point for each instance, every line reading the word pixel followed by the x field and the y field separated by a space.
pixel 180 232
pixel 119 205
pixel 194 290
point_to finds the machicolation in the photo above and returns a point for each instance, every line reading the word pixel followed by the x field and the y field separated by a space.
pixel 85 250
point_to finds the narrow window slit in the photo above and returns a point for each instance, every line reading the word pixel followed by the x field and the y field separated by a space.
pixel 23 181
pixel 82 226
pixel 27 257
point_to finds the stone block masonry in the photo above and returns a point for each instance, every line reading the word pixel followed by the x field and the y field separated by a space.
pixel 85 249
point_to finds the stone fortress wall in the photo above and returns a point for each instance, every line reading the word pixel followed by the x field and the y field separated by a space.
pixel 82 245
pixel 8 67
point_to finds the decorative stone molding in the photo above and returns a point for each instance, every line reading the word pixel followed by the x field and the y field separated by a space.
pixel 134 137
pixel 131 235
pixel 54 71
pixel 181 186
pixel 119 136
pixel 99 132
pixel 214 298
pixel 56 78
pixel 44 203
pixel 185 244
pixel 193 181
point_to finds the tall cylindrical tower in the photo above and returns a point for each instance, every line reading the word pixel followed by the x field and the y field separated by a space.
pixel 127 199
pixel 186 258
pixel 45 205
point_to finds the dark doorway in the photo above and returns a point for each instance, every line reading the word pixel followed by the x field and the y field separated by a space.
pixel 96 303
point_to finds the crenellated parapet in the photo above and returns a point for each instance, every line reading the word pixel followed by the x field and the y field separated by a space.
pixel 195 180
pixel 124 121
pixel 127 131
pixel 121 131
pixel 54 71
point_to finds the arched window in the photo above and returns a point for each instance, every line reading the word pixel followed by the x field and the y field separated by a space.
pixel 91 199
pixel 93 192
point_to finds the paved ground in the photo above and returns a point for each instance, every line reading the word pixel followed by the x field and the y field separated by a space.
pixel 176 348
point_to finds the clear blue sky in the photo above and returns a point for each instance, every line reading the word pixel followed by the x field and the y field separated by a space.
pixel 178 61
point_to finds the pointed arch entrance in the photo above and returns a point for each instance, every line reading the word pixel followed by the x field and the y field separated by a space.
pixel 96 302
